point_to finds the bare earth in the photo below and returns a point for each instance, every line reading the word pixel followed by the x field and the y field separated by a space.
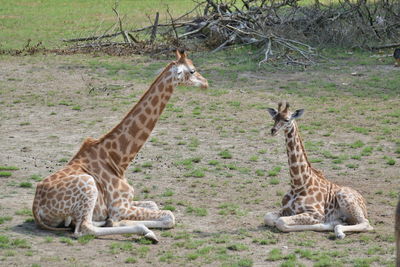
pixel 49 104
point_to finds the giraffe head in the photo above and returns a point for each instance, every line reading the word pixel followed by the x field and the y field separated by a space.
pixel 185 73
pixel 283 118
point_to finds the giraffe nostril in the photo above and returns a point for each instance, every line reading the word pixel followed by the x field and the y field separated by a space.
pixel 273 131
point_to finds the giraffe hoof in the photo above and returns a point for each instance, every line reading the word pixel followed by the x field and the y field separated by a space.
pixel 339 233
pixel 152 237
pixel 340 236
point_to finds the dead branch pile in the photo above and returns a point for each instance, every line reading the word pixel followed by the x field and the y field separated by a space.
pixel 283 30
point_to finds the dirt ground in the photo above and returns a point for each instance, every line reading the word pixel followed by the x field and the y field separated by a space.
pixel 49 104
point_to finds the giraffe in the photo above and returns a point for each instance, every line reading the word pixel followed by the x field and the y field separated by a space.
pixel 397 234
pixel 91 193
pixel 313 203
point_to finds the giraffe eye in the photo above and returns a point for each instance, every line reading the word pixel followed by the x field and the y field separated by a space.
pixel 192 71
pixel 286 120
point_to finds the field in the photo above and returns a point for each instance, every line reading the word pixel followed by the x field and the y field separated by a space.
pixel 210 158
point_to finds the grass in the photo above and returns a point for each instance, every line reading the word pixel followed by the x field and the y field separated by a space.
pixel 66 240
pixel 4 219
pixel 168 193
pixel 197 211
pixel 13 243
pixel 8 168
pixel 25 184
pixel 85 239
pixel 64 20
pixel 36 177
pixel 274 171
pixel 225 154
pixel 24 212
pixel 230 209
pixel 5 174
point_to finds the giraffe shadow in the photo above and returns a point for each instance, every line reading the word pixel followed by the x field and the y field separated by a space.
pixel 30 228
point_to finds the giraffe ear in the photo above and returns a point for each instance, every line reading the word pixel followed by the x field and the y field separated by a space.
pixel 272 112
pixel 180 53
pixel 297 114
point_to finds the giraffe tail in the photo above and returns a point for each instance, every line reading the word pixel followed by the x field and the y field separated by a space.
pixel 40 223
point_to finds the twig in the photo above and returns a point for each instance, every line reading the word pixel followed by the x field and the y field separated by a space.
pixel 385 46
pixel 92 38
pixel 173 25
pixel 268 52
pixel 154 30
pixel 233 37
pixel 193 32
pixel 120 22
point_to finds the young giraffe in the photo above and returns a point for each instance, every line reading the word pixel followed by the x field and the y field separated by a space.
pixel 313 202
pixel 92 187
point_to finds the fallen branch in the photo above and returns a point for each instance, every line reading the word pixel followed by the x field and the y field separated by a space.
pixel 385 46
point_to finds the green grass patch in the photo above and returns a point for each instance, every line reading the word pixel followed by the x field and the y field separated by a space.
pixel 225 154
pixel 197 211
pixel 274 171
pixel 9 243
pixel 5 174
pixel 36 177
pixel 24 212
pixel 230 209
pixel 357 144
pixel 168 193
pixel 75 19
pixel 8 168
pixel 25 184
pixel 237 247
pixel 66 240
pixel 4 219
pixel 85 239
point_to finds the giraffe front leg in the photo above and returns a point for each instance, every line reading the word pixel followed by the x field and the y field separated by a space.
pixel 87 227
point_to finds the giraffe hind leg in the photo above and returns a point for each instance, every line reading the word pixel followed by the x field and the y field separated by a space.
pixel 303 222
pixel 360 227
pixel 161 219
pixel 145 204
pixel 350 206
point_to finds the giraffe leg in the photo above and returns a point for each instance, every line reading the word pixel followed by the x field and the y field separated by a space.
pixel 303 222
pixel 353 209
pixel 360 227
pixel 145 204
pixel 161 219
pixel 88 228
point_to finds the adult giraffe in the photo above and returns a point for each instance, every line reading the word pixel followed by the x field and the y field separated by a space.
pixel 313 202
pixel 92 189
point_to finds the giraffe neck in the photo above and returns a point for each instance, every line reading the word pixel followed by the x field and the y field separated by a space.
pixel 300 167
pixel 116 149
